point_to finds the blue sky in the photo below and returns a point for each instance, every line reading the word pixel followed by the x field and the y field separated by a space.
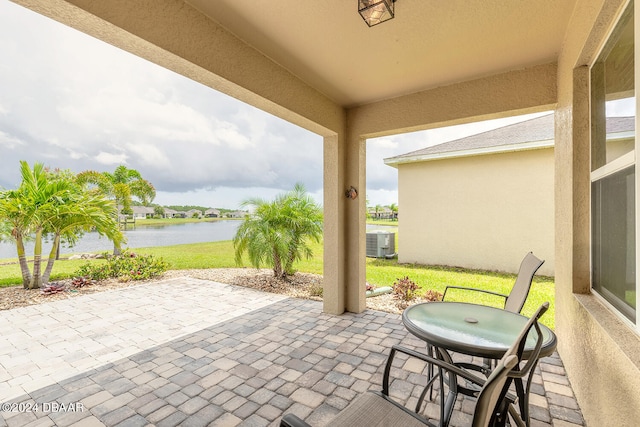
pixel 71 101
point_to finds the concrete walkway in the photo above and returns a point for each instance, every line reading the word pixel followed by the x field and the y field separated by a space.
pixel 191 352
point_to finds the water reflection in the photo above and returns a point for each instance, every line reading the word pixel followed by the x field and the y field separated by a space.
pixel 154 235
pixel 143 236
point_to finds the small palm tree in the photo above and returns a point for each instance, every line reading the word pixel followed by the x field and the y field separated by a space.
pixel 303 219
pixel 81 211
pixel 394 210
pixel 121 185
pixel 277 232
pixel 378 209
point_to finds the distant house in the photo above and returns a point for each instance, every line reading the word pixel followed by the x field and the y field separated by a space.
pixel 194 213
pixel 172 213
pixel 237 214
pixel 142 212
pixel 212 213
pixel 486 200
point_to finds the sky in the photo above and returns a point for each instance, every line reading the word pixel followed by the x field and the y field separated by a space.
pixel 74 102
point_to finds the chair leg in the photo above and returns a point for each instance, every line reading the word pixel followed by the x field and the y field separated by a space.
pixel 431 377
pixel 429 387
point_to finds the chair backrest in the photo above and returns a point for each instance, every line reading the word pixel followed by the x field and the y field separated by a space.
pixel 497 385
pixel 518 295
pixel 491 394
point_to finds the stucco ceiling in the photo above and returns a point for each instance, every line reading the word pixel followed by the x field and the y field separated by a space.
pixel 429 43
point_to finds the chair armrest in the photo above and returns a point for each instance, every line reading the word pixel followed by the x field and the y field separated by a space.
pixel 473 289
pixel 437 362
pixel 291 420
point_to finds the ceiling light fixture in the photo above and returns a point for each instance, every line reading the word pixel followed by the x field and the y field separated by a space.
pixel 375 12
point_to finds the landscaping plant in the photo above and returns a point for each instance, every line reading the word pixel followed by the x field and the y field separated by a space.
pixel 278 233
pixel 81 282
pixel 432 295
pixel 405 289
pixel 126 266
pixel 52 203
pixel 52 288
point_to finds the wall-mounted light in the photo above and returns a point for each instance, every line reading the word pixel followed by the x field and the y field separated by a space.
pixel 375 12
pixel 351 193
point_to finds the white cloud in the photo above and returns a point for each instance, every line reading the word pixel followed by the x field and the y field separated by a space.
pixel 149 154
pixel 111 159
pixel 9 141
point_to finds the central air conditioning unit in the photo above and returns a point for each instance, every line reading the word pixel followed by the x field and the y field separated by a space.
pixel 381 244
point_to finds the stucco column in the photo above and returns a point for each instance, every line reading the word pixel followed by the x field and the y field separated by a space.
pixel 344 225
pixel 581 178
pixel 355 225
pixel 334 240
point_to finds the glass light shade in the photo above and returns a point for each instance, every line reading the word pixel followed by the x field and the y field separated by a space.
pixel 376 11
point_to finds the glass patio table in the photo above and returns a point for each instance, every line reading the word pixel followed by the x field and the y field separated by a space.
pixel 474 330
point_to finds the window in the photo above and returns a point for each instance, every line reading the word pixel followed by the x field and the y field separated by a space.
pixel 613 176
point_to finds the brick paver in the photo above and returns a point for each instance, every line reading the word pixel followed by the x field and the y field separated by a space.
pixel 194 352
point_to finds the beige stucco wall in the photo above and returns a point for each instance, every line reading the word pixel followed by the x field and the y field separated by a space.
pixel 601 354
pixel 484 211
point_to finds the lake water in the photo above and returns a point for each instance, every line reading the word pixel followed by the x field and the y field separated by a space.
pixel 149 236
pixel 142 237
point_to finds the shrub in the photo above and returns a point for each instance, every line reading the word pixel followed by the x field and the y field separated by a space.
pixel 81 282
pixel 405 289
pixel 125 267
pixel 316 291
pixel 433 295
pixel 52 288
pixel 94 271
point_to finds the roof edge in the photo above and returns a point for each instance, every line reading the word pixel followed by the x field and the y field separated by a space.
pixel 522 146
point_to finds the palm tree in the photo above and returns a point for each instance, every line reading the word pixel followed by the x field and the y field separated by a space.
pixel 81 211
pixel 53 203
pixel 277 232
pixel 394 210
pixel 121 185
pixel 261 236
pixel 378 209
pixel 5 232
pixel 303 218
pixel 15 216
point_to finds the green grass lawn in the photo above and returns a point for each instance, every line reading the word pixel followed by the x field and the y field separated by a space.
pixel 380 272
pixel 175 221
pixel 382 222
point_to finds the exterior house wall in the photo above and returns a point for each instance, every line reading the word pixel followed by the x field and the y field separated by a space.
pixel 482 212
pixel 601 354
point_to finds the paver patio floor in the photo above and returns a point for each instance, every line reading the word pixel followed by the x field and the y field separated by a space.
pixel 192 352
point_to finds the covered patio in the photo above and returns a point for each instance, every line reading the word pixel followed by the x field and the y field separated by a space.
pixel 317 65
pixel 192 352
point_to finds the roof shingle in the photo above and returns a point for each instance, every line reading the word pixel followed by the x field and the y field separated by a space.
pixel 539 129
